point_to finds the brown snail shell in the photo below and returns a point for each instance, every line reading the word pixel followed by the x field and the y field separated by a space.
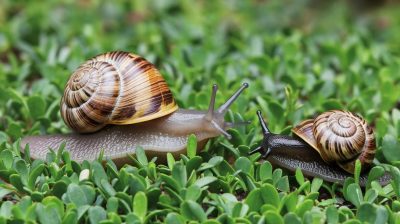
pixel 115 88
pixel 339 137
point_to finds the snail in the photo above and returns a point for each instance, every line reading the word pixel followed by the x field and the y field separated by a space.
pixel 118 101
pixel 325 147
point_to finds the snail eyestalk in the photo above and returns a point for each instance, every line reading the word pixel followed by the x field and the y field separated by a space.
pixel 216 118
pixel 263 124
pixel 266 133
pixel 210 112
pixel 222 109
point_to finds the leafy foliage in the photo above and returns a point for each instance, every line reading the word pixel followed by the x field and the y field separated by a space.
pixel 298 61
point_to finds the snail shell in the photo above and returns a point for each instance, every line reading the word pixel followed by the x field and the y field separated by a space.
pixel 339 137
pixel 115 88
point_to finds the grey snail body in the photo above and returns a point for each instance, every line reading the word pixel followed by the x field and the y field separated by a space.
pixel 146 113
pixel 304 152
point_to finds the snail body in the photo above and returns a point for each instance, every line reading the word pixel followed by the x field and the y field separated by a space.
pixel 148 117
pixel 325 147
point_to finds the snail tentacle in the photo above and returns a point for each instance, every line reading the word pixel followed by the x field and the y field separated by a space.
pixel 211 107
pixel 216 117
pixel 224 107
pixel 264 126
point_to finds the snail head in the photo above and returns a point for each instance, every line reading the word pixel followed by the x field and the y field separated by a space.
pixel 215 118
pixel 264 148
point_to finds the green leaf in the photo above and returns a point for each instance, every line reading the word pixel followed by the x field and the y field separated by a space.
pixel 243 164
pixel 291 218
pixel 132 219
pixel 205 181
pixel 5 209
pixel 98 173
pixel 270 195
pixel 4 192
pixel 290 201
pixel 283 184
pixel 16 96
pixel 141 156
pixel 357 171
pixel 193 211
pixel 59 188
pixel 112 204
pixel 6 157
pixel 140 205
pixel 34 175
pixel 137 183
pixel 15 180
pixel 107 188
pixel 70 217
pixel 37 106
pixel 48 214
pixel 354 194
pixel 22 168
pixel 193 164
pixel 370 196
pixel 14 130
pixel 76 195
pixel 299 176
pixel 390 148
pixel 170 160
pixel 236 139
pixel 332 215
pixel 96 214
pixel 305 206
pixel 170 182
pixel 316 184
pixel 3 137
pixel 266 171
pixel 240 210
pixel 55 203
pixel 191 146
pixel 273 217
pixel 174 218
pixel 179 175
pixel 193 193
pixel 375 173
pixel 369 213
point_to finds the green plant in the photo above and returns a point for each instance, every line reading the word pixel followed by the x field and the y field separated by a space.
pixel 295 69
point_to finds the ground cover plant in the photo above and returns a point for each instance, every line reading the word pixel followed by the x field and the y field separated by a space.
pixel 299 57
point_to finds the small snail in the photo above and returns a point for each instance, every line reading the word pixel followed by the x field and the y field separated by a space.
pixel 325 147
pixel 118 101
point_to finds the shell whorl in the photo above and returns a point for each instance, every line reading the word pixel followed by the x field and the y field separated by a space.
pixel 341 137
pixel 115 88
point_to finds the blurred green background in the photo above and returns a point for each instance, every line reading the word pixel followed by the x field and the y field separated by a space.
pixel 300 58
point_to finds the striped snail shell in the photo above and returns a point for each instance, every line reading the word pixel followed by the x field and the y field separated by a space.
pixel 115 88
pixel 339 137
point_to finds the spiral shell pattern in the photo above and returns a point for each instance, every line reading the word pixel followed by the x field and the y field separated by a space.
pixel 341 137
pixel 115 88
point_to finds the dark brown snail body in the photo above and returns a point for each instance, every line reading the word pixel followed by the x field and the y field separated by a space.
pixel 120 101
pixel 325 147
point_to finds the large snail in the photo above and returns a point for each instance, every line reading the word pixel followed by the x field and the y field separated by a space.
pixel 325 147
pixel 122 100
